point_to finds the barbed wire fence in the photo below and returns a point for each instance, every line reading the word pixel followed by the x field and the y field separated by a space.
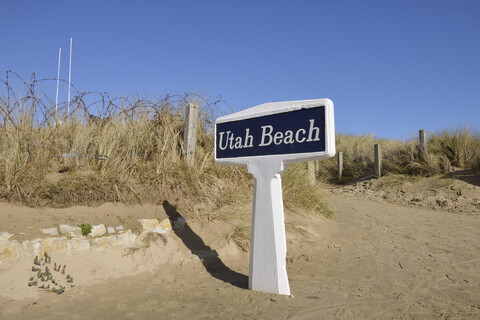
pixel 27 102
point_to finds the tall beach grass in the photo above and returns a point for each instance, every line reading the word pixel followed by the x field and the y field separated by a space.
pixel 126 150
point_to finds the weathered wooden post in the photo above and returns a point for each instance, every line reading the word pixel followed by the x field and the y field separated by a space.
pixel 340 164
pixel 311 173
pixel 266 138
pixel 422 139
pixel 189 139
pixel 378 161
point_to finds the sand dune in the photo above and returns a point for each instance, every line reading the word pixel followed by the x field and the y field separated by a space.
pixel 375 260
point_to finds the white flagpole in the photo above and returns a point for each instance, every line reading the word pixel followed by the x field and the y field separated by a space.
pixel 58 83
pixel 69 77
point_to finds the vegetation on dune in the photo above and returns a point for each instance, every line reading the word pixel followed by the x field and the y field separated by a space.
pixel 120 150
pixel 101 149
pixel 446 150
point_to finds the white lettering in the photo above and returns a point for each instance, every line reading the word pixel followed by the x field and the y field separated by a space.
pixel 248 139
pixel 231 141
pixel 289 137
pixel 265 134
pixel 277 138
pixel 317 132
pixel 297 133
pixel 221 138
pixel 238 143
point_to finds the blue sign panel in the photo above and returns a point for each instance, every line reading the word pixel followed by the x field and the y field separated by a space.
pixel 299 131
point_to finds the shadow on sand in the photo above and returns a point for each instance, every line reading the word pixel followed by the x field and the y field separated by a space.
pixel 212 263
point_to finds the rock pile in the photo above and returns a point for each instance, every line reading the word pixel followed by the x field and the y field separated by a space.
pixel 68 240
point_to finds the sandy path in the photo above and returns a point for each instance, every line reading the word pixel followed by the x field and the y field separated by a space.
pixel 385 261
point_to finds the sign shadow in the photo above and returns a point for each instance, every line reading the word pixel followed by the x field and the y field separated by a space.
pixel 210 259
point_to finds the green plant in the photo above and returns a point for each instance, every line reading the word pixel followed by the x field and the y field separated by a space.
pixel 86 229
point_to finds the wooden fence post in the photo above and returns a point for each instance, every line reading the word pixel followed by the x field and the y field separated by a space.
pixel 189 139
pixel 422 138
pixel 311 172
pixel 340 165
pixel 378 160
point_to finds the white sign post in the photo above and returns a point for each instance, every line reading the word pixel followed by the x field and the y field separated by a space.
pixel 266 138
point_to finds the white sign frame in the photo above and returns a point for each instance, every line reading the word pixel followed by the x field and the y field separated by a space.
pixel 268 246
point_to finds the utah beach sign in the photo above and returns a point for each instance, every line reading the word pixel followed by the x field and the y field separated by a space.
pixel 266 138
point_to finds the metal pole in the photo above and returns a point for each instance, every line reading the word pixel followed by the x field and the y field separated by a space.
pixel 69 78
pixel 58 83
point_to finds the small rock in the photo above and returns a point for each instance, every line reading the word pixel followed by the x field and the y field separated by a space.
pixel 50 231
pixel 127 239
pixel 97 231
pixel 71 231
pixel 163 227
pixel 148 224
pixel 119 228
pixel 4 236
pixel 78 246
pixel 442 202
pixel 111 230
pixel 179 224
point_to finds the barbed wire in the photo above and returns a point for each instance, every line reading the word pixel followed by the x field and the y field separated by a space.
pixel 99 104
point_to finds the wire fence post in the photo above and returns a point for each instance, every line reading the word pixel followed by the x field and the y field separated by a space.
pixel 311 173
pixel 191 117
pixel 422 138
pixel 378 160
pixel 340 164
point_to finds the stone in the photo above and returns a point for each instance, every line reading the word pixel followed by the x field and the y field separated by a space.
pixel 78 246
pixel 149 224
pixel 127 239
pixel 53 246
pixel 4 236
pixel 163 227
pixel 442 202
pixel 27 249
pixel 111 230
pixel 70 231
pixel 50 231
pixel 105 242
pixel 97 231
pixel 9 251
pixel 179 224
pixel 119 228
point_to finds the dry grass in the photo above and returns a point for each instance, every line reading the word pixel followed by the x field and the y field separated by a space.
pixel 447 150
pixel 132 153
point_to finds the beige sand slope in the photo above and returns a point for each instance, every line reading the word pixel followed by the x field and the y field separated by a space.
pixel 377 260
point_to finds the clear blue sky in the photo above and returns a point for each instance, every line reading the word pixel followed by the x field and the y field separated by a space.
pixel 390 67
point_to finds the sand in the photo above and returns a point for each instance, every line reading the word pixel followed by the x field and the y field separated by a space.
pixel 375 260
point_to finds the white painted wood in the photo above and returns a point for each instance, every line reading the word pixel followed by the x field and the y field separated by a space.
pixel 268 246
pixel 279 107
